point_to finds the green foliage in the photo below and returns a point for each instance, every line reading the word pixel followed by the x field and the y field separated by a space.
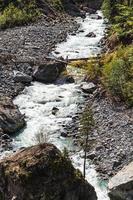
pixel 123 23
pixel 87 121
pixel 57 4
pixel 120 14
pixel 118 74
pixel 92 68
pixel 14 15
pixel 106 8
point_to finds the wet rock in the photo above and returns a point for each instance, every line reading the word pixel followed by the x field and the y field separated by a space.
pixel 88 87
pixel 91 156
pixel 86 9
pixel 22 77
pixel 96 17
pixel 91 34
pixel 65 79
pixel 64 134
pixel 55 110
pixel 121 185
pixel 73 34
pixel 11 119
pixel 49 71
pixel 5 137
pixel 51 173
pixel 56 52
pixel 81 31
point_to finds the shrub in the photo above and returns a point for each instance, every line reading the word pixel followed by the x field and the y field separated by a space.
pixel 106 8
pixel 41 137
pixel 13 15
pixel 92 68
pixel 57 4
pixel 117 74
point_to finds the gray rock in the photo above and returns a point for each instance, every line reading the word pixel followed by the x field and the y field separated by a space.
pixel 55 110
pixel 63 134
pixel 65 79
pixel 11 120
pixel 49 71
pixel 22 77
pixel 5 137
pixel 91 156
pixel 91 34
pixel 93 16
pixel 88 88
pixel 121 185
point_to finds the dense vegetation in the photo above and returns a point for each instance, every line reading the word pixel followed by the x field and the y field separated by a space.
pixel 117 71
pixel 117 74
pixel 17 12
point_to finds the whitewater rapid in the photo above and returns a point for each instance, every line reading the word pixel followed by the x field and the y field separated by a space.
pixel 38 101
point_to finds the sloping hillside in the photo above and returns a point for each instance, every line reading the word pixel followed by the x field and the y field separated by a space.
pixel 20 12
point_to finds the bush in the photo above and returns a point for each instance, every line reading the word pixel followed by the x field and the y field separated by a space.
pixel 106 8
pixel 13 15
pixel 57 4
pixel 120 15
pixel 41 137
pixel 117 75
pixel 92 68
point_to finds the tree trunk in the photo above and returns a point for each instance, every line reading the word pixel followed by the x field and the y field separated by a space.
pixel 85 150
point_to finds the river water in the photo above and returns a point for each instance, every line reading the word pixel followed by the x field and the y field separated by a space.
pixel 38 101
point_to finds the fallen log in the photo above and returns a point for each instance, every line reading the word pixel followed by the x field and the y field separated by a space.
pixel 84 59
pixel 8 58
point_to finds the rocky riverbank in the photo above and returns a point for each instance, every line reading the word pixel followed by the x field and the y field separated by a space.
pixel 29 44
pixel 110 143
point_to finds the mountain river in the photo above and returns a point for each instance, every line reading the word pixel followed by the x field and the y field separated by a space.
pixel 38 100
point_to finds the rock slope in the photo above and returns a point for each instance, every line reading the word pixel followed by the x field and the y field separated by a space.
pixel 42 172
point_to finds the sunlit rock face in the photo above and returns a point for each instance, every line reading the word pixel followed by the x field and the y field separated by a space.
pixel 42 172
pixel 121 185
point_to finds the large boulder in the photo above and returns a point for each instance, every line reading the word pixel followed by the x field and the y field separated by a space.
pixel 121 185
pixel 41 172
pixel 49 71
pixel 11 120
